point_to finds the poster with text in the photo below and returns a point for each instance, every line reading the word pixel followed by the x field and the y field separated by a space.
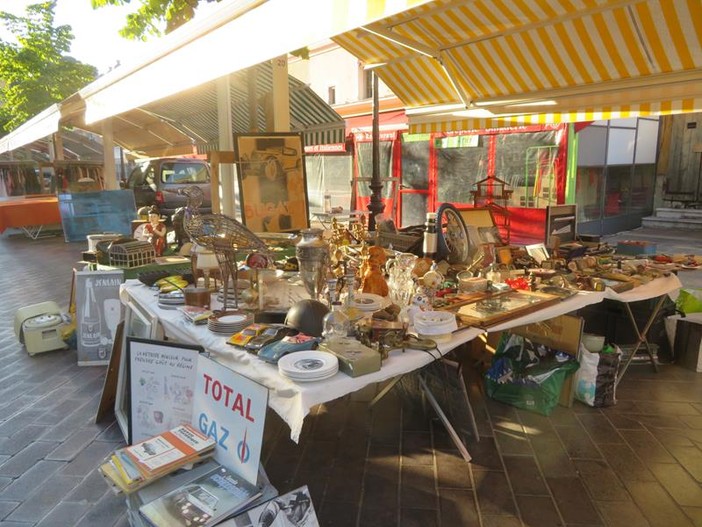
pixel 272 184
pixel 98 311
pixel 231 409
pixel 161 382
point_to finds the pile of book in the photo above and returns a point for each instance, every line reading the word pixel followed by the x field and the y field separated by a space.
pixel 205 495
pixel 132 467
pixel 195 314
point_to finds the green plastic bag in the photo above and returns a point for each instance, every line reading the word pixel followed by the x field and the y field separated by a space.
pixel 528 375
pixel 689 301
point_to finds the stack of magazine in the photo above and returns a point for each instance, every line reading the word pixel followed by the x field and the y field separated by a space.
pixel 195 314
pixel 132 467
pixel 202 496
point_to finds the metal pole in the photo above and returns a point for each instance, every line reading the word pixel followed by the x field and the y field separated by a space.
pixel 376 205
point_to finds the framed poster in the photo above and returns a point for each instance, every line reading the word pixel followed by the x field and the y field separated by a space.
pixel 272 182
pixel 161 385
pixel 98 311
pixel 138 322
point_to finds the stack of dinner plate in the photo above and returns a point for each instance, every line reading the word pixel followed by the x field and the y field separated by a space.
pixel 308 366
pixel 368 302
pixel 229 322
pixel 171 300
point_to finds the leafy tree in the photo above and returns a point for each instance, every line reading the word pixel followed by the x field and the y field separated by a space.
pixel 35 70
pixel 152 14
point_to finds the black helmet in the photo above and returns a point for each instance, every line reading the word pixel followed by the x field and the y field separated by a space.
pixel 307 317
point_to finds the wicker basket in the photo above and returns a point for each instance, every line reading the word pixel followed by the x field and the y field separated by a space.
pixel 399 242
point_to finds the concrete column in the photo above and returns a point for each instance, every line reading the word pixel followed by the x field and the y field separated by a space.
pixel 109 174
pixel 226 187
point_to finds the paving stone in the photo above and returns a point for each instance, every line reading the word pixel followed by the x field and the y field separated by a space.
pixel 485 455
pixel 22 438
pixel 379 517
pixel 647 447
pixel 105 512
pixel 577 443
pixel 513 442
pixel 418 487
pixel 538 510
pixel 501 521
pixel 600 429
pixel 6 508
pixel 457 507
pixel 601 481
pixel 75 444
pixel 330 517
pixel 419 518
pixel 626 464
pixel 689 457
pixel 417 448
pixel 90 489
pixel 573 501
pixel 453 471
pixel 89 458
pixel 525 476
pixel 695 514
pixel 678 482
pixel 26 458
pixel 656 505
pixel 44 498
pixel 30 480
pixel 552 456
pixel 65 514
pixel 494 495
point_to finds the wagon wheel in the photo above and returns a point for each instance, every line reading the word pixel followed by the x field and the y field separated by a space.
pixel 453 243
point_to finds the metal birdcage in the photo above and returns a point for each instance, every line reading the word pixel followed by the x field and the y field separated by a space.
pixel 131 254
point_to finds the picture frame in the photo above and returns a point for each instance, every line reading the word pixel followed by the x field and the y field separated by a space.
pixel 272 181
pixel 161 379
pixel 501 307
pixel 538 252
pixel 138 322
pixel 561 221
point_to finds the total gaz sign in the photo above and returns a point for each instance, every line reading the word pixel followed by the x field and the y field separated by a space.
pixel 231 409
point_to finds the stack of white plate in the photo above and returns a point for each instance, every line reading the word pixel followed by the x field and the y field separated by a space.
pixel 229 322
pixel 308 366
pixel 368 302
pixel 435 325
pixel 171 300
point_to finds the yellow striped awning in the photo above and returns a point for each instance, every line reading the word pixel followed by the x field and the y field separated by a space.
pixel 454 62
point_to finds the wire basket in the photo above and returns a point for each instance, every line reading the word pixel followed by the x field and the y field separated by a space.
pixel 399 242
pixel 132 254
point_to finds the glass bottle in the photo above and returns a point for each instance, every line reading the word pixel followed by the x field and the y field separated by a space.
pixel 335 324
pixel 90 324
pixel 429 245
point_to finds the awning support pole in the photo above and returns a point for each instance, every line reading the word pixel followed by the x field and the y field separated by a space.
pixel 376 205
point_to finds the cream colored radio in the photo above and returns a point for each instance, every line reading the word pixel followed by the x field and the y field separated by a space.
pixel 39 327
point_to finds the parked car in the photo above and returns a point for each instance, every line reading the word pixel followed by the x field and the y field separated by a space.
pixel 157 181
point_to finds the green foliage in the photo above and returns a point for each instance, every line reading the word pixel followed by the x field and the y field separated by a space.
pixel 34 69
pixel 152 15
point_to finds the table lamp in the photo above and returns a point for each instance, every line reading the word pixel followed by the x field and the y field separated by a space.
pixel 203 260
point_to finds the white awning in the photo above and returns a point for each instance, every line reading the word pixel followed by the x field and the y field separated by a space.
pixel 38 127
pixel 234 37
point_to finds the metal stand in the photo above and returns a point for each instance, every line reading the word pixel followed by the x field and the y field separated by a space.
pixel 642 338
pixel 450 399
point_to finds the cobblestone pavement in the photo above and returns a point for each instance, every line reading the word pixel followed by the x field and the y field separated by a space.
pixel 634 464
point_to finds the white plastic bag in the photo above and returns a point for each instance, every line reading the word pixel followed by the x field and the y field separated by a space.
pixel 595 380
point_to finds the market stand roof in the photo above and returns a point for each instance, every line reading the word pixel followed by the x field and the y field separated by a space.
pixel 455 64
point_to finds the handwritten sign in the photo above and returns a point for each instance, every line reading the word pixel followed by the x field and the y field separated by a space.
pixel 231 409
pixel 162 379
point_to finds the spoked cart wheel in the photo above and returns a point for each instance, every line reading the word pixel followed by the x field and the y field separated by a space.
pixel 452 242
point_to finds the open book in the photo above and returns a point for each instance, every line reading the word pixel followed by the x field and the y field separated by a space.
pixel 205 501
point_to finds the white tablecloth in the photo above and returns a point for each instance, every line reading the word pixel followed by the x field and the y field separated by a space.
pixel 293 401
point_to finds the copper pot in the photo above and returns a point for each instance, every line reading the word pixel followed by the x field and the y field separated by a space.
pixel 197 296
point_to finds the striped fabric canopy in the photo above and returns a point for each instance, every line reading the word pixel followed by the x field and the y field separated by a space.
pixel 466 64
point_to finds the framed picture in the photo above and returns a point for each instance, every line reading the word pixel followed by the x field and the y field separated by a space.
pixel 538 252
pixel 98 311
pixel 162 376
pixel 272 182
pixel 561 221
pixel 500 307
pixel 138 322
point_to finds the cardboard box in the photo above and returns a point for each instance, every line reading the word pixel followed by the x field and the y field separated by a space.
pixel 355 359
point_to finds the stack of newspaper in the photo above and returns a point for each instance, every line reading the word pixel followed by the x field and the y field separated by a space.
pixel 132 467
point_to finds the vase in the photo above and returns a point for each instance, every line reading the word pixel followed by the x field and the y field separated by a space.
pixel 313 259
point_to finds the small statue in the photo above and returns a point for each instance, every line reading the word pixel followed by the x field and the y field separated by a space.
pixel 373 280
pixel 156 231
